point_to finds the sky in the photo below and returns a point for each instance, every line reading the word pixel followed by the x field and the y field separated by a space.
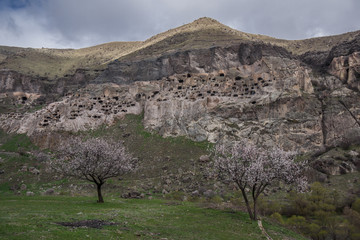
pixel 84 23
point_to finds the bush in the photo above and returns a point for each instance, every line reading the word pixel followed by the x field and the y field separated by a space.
pixel 314 214
pixel 297 222
pixel 278 218
pixel 299 205
pixel 356 205
pixel 176 195
pixel 313 230
pixel 268 207
pixel 216 199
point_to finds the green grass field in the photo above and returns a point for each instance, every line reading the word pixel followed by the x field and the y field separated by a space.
pixel 35 217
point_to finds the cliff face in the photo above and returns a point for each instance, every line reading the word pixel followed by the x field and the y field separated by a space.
pixel 259 92
pixel 247 89
pixel 25 89
pixel 190 61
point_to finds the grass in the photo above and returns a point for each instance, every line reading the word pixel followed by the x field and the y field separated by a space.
pixel 158 156
pixel 35 218
pixel 54 63
pixel 17 142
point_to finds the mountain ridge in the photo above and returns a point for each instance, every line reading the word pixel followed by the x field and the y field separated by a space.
pixel 25 60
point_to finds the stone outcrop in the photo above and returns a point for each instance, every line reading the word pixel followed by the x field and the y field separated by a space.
pixel 347 69
pixel 337 162
pixel 24 89
pixel 195 61
pixel 86 109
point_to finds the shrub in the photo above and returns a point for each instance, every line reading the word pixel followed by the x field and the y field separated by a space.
pixel 299 205
pixel 278 218
pixel 313 230
pixel 298 222
pixel 216 199
pixel 269 207
pixel 356 205
pixel 176 195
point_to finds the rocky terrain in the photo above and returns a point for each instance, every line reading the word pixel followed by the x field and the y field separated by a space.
pixel 204 81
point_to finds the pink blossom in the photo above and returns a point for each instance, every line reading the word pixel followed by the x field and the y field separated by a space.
pixel 253 167
pixel 95 160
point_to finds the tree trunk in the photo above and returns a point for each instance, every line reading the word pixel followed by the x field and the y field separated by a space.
pixel 100 197
pixel 247 204
pixel 255 210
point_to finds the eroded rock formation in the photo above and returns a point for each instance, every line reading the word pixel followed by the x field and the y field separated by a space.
pixel 248 89
pixel 270 100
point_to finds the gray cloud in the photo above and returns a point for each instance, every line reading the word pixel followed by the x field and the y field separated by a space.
pixel 82 23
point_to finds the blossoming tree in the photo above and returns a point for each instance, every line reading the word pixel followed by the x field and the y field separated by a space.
pixel 94 160
pixel 254 168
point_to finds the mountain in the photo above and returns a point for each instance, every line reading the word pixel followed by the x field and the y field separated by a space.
pixel 203 80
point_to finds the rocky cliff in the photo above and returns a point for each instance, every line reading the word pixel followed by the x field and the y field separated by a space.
pixel 243 88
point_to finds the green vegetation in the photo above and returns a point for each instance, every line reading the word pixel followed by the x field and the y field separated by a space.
pixel 170 216
pixel 157 155
pixel 319 214
pixel 16 143
pixel 36 218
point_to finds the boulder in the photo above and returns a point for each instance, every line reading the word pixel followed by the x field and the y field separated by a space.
pixel 209 193
pixel 186 179
pixel 353 153
pixel 195 193
pixel 204 159
pixel 336 162
pixel 133 194
pixel 33 170
pixel 29 193
pixel 49 191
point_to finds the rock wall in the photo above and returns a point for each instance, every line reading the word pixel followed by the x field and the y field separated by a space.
pixel 27 89
pixel 194 61
pixel 271 101
pixel 254 91
pixel 347 69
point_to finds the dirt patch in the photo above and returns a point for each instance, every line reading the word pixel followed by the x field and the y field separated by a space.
pixel 172 203
pixel 87 224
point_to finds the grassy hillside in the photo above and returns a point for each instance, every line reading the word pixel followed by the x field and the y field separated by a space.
pixel 53 63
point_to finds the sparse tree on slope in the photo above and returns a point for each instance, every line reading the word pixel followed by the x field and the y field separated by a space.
pixel 254 169
pixel 94 160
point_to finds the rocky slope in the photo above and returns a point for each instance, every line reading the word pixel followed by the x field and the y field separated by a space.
pixel 208 82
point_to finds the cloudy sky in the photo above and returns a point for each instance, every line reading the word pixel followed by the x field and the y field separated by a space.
pixel 82 23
